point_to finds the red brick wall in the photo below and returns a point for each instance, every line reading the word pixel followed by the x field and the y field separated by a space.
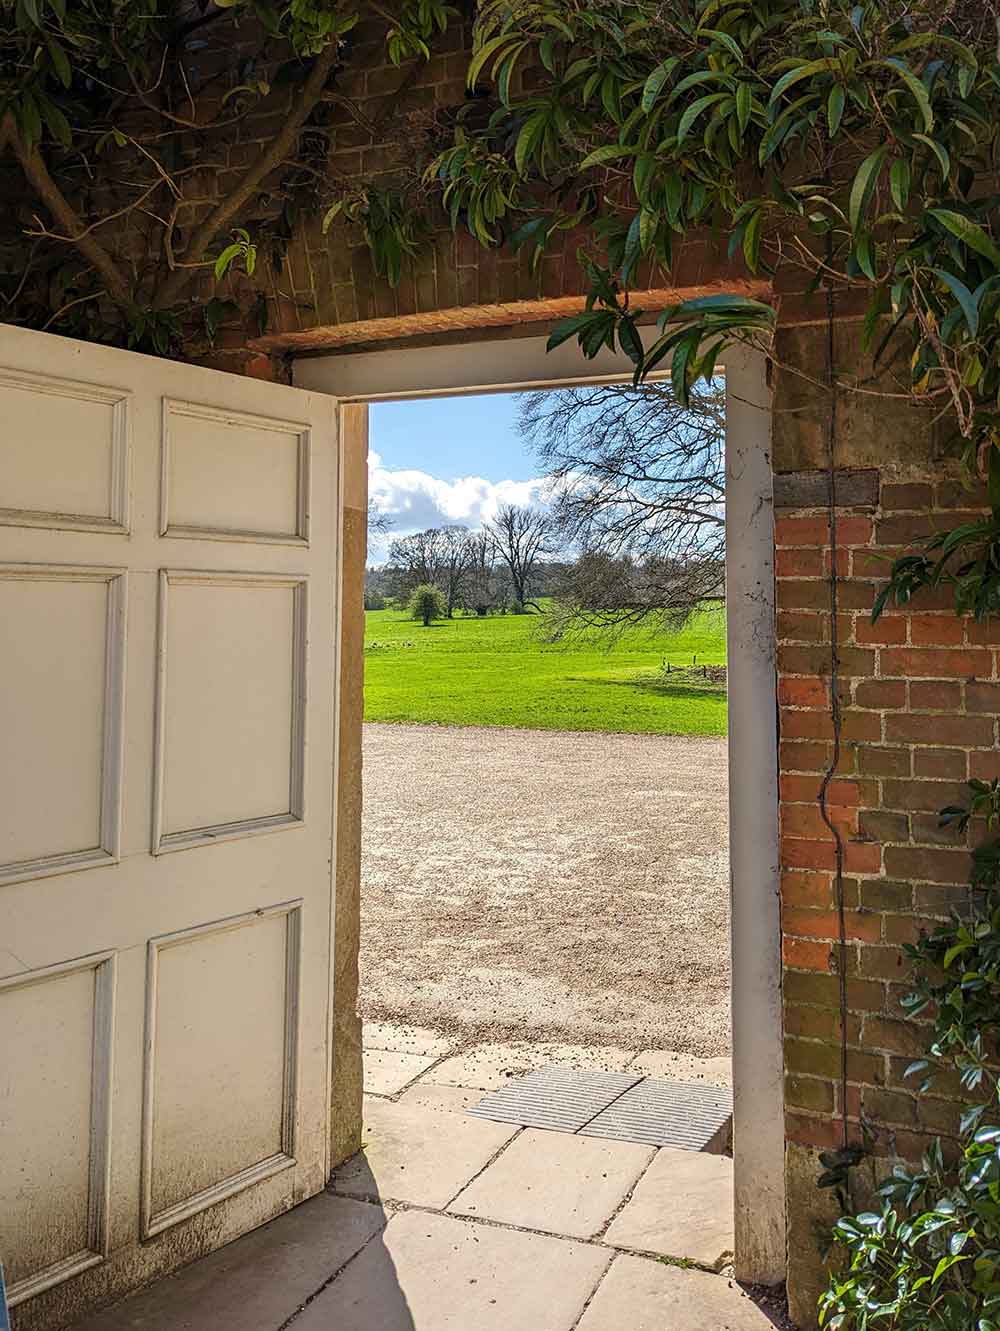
pixel 920 701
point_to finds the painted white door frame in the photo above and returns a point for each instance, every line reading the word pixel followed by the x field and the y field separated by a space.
pixel 520 363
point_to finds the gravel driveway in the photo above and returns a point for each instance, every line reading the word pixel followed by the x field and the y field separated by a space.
pixel 542 885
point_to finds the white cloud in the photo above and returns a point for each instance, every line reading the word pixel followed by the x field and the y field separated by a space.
pixel 415 500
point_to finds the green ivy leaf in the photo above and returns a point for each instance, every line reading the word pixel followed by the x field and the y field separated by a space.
pixel 917 89
pixel 864 185
pixel 964 297
pixel 835 109
pixel 967 231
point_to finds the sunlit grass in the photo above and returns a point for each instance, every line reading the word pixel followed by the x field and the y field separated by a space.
pixel 497 671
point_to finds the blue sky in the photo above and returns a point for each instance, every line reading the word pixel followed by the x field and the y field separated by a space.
pixel 446 460
pixel 452 436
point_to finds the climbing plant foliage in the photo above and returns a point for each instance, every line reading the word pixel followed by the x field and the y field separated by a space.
pixel 844 147
pixel 925 1256
pixel 161 141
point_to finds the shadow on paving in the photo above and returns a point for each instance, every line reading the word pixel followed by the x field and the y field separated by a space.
pixel 276 1277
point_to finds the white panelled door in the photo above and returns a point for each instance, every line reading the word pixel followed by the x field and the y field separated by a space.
pixel 168 679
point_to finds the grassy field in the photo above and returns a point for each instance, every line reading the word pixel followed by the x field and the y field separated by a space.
pixel 498 672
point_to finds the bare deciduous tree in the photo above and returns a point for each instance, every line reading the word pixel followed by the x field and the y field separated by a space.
pixel 456 560
pixel 520 537
pixel 638 487
pixel 379 523
pixel 440 557
pixel 480 588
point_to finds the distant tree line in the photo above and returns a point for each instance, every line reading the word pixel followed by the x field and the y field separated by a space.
pixel 504 566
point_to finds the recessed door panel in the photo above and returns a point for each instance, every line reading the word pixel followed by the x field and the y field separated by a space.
pixel 56 1032
pixel 65 453
pixel 222 1021
pixel 60 716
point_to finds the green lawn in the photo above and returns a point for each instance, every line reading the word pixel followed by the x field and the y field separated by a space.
pixel 497 672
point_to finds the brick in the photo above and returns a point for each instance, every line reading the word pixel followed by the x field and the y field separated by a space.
pixel 983 633
pixel 984 765
pixel 886 894
pixel 941 900
pixel 822 1060
pixel 809 1093
pixel 900 929
pixel 806 820
pixel 824 991
pixel 913 1145
pixel 945 764
pixel 805 789
pixel 804 756
pixel 913 497
pixel 802 853
pixel 908 530
pixel 819 1134
pixel 800 564
pixel 889 1106
pixel 946 1081
pixel 805 887
pixel 806 955
pixel 932 864
pixel 802 626
pixel 936 695
pixel 920 796
pixel 798 724
pixel 938 1115
pixel 926 830
pixel 880 825
pixel 880 693
pixel 826 924
pixel 794 660
pixel 982 697
pixel 889 630
pixel 803 692
pixel 926 663
pixel 868 563
pixel 861 727
pixel 944 630
pixel 965 731
pixel 873 760
pixel 896 1037
pixel 801 531
pixel 882 963
pixel 807 593
pixel 819 1024
pixel 843 562
pixel 962 493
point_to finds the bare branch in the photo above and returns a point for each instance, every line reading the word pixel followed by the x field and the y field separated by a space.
pixel 33 166
pixel 267 161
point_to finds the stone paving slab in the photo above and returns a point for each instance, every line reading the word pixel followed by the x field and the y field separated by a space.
pixel 446 1099
pixel 682 1207
pixel 555 1182
pixel 672 1065
pixel 492 1065
pixel 387 1071
pixel 404 1039
pixel 427 1272
pixel 413 1154
pixel 257 1282
pixel 642 1295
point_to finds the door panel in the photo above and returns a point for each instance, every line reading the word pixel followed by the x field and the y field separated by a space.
pixel 167 704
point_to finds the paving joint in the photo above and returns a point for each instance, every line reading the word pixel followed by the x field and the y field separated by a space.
pixel 292 1317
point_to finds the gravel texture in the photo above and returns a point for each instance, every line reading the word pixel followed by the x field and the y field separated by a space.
pixel 544 885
